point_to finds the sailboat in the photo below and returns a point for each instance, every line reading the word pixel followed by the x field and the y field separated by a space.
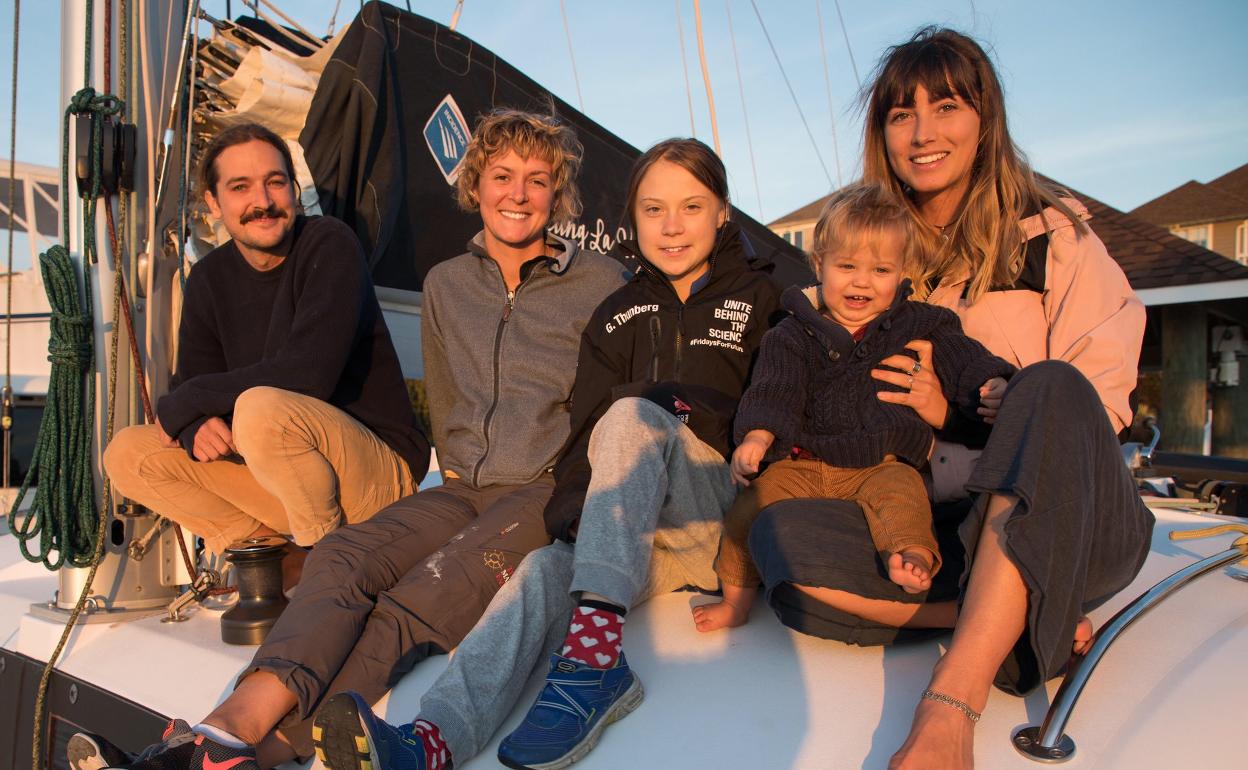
pixel 1160 688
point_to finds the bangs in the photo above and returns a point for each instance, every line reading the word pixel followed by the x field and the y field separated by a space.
pixel 942 71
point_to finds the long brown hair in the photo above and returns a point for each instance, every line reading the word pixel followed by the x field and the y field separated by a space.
pixel 984 239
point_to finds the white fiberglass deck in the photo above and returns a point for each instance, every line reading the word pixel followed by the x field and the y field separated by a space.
pixel 1169 694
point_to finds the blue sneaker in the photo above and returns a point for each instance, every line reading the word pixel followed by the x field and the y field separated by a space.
pixel 349 736
pixel 567 720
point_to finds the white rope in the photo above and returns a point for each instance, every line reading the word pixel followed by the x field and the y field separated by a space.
pixel 845 34
pixel 567 31
pixel 706 76
pixel 827 82
pixel 749 141
pixel 684 66
pixel 792 93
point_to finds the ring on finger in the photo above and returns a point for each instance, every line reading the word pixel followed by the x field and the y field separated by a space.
pixel 918 367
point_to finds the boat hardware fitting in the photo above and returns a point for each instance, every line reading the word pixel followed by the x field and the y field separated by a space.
pixel 1049 742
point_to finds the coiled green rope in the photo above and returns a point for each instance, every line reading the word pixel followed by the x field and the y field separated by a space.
pixel 63 515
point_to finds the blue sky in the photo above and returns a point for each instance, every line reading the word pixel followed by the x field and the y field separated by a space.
pixel 1122 100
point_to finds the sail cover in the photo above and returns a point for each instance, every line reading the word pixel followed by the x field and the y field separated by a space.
pixel 388 125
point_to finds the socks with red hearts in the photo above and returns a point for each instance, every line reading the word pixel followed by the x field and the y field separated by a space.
pixel 594 635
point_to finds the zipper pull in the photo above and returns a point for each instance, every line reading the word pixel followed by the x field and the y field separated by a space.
pixel 511 305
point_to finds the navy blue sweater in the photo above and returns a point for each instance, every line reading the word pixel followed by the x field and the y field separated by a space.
pixel 812 386
pixel 312 325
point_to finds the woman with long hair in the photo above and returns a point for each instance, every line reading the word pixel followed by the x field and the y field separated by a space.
pixel 1038 519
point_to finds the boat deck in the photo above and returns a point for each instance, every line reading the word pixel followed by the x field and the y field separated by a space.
pixel 1168 694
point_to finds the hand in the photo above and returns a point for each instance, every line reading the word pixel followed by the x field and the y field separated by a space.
pixel 991 394
pixel 748 455
pixel 166 441
pixel 213 441
pixel 923 393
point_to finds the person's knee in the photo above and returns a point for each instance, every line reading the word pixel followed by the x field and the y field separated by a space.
pixel 627 420
pixel 1057 377
pixel 259 414
pixel 124 455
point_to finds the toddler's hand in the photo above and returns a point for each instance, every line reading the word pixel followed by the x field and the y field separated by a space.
pixel 746 459
pixel 991 394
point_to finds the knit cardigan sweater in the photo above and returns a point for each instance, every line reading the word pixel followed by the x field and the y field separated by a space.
pixel 812 386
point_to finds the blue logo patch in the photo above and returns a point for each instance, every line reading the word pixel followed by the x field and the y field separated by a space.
pixel 447 135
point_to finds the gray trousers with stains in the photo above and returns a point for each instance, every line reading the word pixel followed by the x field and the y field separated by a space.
pixel 651 524
pixel 378 597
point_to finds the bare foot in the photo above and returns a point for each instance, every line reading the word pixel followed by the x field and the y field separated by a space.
pixel 1083 636
pixel 941 738
pixel 911 568
pixel 721 614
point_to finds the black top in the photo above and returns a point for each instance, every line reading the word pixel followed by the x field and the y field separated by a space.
pixel 692 358
pixel 312 325
pixel 812 387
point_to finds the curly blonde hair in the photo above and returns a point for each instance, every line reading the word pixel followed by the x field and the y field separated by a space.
pixel 530 135
pixel 984 240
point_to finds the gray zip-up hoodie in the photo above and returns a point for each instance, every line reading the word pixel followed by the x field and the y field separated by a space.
pixel 499 368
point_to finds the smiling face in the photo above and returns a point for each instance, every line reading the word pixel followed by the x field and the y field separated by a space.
pixel 255 200
pixel 515 196
pixel 859 283
pixel 931 148
pixel 677 219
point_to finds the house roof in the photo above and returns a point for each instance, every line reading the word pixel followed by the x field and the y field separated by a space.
pixel 1192 203
pixel 1234 182
pixel 807 213
pixel 1151 256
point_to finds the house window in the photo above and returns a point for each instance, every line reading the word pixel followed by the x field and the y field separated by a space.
pixel 1241 242
pixel 797 238
pixel 1198 234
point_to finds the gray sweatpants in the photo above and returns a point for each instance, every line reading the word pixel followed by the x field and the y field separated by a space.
pixel 651 524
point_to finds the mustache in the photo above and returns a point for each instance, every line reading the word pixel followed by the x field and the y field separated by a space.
pixel 272 212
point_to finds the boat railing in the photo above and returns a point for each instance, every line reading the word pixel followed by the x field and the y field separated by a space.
pixel 1048 742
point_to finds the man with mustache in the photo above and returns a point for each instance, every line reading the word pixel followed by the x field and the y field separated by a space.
pixel 287 413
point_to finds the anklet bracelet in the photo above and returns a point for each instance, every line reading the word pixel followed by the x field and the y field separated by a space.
pixel 949 700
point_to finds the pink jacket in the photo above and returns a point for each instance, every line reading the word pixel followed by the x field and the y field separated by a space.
pixel 1088 315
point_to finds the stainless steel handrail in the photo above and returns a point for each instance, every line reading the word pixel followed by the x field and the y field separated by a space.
pixel 1048 742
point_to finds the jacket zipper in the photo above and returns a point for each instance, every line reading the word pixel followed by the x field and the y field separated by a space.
pixel 508 307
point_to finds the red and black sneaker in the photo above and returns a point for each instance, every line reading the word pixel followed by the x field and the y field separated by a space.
pixel 88 751
pixel 210 755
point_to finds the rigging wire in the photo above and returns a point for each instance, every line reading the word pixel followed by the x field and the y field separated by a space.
pixel 749 141
pixel 848 49
pixel 6 396
pixel 333 18
pixel 706 76
pixel 792 93
pixel 684 67
pixel 567 31
pixel 827 82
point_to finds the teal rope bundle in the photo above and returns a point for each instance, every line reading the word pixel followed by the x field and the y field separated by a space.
pixel 62 515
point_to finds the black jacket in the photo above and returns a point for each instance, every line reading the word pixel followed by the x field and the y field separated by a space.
pixel 813 388
pixel 693 358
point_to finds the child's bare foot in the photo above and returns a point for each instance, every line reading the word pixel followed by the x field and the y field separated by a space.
pixel 911 568
pixel 940 737
pixel 1083 636
pixel 721 614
